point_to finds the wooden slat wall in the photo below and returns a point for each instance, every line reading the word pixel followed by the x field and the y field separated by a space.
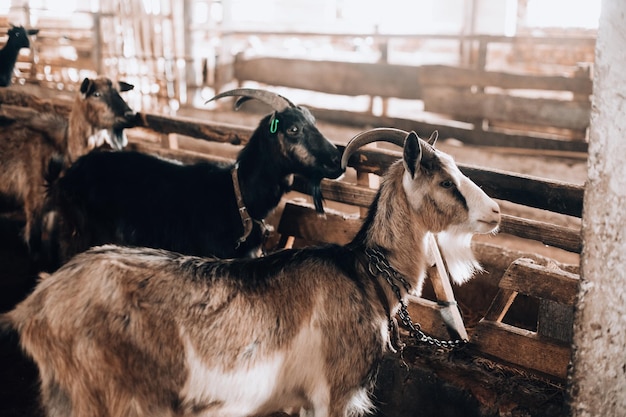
pixel 390 80
pixel 551 105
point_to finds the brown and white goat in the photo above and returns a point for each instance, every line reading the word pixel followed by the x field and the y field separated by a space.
pixel 28 144
pixel 121 331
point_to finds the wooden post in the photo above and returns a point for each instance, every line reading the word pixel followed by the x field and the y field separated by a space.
pixel 598 375
pixel 440 280
pixel 98 40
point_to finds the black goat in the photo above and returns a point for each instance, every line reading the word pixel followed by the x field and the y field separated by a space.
pixel 206 209
pixel 18 39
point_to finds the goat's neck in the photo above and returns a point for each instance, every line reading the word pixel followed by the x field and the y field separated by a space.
pixel 8 54
pixel 262 183
pixel 78 132
pixel 394 228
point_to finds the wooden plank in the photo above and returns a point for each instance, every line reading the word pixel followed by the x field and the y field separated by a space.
pixel 305 223
pixel 211 131
pixel 555 320
pixel 348 78
pixel 463 103
pixel 185 156
pixel 500 305
pixel 449 76
pixel 522 347
pixel 526 277
pixel 447 130
pixel 340 191
pixel 426 313
pixel 562 237
pixel 559 41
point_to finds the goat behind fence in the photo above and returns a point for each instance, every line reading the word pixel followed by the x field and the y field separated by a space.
pixel 30 141
pixel 207 209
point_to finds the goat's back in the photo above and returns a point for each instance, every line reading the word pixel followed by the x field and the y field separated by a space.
pixel 132 198
pixel 25 147
pixel 172 331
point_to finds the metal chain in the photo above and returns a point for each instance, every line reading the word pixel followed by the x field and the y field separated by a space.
pixel 379 265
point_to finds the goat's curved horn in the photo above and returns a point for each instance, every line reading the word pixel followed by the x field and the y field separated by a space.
pixel 276 101
pixel 386 134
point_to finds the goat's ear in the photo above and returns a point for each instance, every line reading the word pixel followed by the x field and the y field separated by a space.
pixel 412 154
pixel 33 31
pixel 124 86
pixel 433 138
pixel 86 87
pixel 430 161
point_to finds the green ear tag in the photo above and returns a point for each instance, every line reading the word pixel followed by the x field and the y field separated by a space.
pixel 274 125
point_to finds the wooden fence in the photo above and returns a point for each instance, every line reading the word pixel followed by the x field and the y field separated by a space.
pixel 479 107
pixel 474 100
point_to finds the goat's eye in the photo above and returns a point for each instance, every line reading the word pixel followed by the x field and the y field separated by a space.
pixel 446 184
pixel 97 94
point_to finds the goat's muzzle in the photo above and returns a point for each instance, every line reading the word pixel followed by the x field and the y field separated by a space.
pixel 332 169
pixel 129 119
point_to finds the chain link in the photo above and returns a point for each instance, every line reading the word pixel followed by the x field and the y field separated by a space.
pixel 379 265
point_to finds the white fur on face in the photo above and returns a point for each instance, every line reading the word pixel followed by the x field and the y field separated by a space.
pixel 483 212
pixel 457 252
pixel 107 136
pixel 482 216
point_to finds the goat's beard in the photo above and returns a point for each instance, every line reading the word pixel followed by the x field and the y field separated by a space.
pixel 457 252
pixel 115 138
pixel 318 199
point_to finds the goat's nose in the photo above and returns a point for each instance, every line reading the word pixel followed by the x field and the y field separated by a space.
pixel 495 207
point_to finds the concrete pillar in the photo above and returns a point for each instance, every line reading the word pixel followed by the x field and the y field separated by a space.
pixel 597 384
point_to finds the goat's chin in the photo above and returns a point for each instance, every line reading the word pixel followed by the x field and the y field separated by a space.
pixel 118 139
pixel 457 252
